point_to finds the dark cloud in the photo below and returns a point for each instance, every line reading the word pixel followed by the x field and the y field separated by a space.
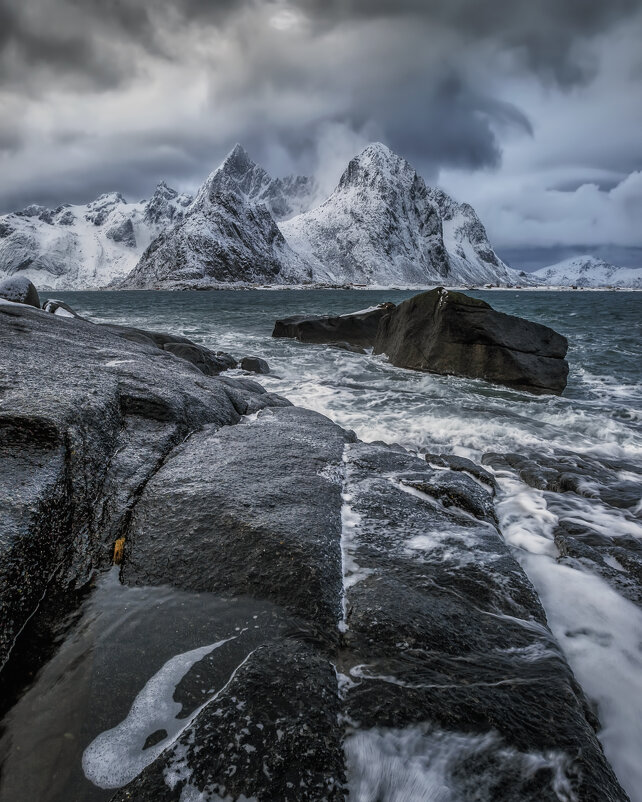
pixel 75 37
pixel 99 95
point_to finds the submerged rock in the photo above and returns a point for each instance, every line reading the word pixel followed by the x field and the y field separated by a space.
pixel 357 328
pixel 254 364
pixel 19 290
pixel 450 333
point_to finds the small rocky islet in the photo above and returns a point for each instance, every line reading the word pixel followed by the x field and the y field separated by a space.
pixel 405 646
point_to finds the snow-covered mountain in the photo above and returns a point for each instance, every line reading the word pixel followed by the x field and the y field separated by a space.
pixel 381 225
pixel 471 258
pixel 589 271
pixel 77 247
pixel 229 234
pixel 284 197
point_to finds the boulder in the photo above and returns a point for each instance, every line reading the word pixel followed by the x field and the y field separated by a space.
pixel 19 290
pixel 452 334
pixel 357 328
pixel 254 364
pixel 210 363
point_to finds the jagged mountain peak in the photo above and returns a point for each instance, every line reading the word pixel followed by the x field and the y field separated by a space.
pixel 106 199
pixel 238 160
pixel 164 190
pixel 240 174
pixel 376 166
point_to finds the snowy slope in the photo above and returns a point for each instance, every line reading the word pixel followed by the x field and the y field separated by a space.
pixel 471 258
pixel 589 271
pixel 227 236
pixel 382 225
pixel 77 247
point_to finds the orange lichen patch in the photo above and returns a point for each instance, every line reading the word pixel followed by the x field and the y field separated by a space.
pixel 119 550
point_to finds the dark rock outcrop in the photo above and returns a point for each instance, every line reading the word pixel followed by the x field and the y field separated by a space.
pixel 19 290
pixel 211 363
pixel 59 308
pixel 123 232
pixel 450 333
pixel 463 464
pixel 566 479
pixel 263 521
pixel 358 328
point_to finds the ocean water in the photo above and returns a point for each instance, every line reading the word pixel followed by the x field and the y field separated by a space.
pixel 593 615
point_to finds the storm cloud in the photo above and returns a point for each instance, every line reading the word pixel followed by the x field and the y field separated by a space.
pixel 97 95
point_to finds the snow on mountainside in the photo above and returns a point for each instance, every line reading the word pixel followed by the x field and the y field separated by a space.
pixel 77 247
pixel 228 235
pixel 378 226
pixel 382 225
pixel 589 271
pixel 471 258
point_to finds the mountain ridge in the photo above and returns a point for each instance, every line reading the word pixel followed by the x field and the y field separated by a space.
pixel 589 271
pixel 382 225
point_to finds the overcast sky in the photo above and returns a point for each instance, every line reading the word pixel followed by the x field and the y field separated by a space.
pixel 531 110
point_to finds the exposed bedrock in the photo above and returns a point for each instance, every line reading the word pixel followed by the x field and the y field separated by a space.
pixel 449 654
pixel 450 333
pixel 393 643
pixel 86 418
pixel 358 328
pixel 262 516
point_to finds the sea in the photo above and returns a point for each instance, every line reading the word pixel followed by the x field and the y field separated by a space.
pixel 599 416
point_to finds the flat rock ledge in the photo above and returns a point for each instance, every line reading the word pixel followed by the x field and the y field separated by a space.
pixel 416 653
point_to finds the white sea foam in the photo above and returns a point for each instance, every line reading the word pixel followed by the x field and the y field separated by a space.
pixel 600 632
pixel 416 764
pixel 116 756
pixel 351 571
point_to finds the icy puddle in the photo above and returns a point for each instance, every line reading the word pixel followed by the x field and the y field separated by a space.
pixel 131 675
